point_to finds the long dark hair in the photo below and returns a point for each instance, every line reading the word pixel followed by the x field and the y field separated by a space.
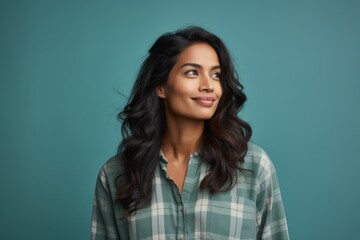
pixel 225 136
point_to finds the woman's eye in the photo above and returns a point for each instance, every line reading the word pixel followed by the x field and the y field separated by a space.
pixel 216 75
pixel 192 72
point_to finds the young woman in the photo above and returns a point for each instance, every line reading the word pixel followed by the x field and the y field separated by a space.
pixel 185 168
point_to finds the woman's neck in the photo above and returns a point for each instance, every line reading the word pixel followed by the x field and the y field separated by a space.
pixel 181 139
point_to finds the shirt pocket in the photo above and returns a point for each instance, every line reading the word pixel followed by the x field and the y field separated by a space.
pixel 231 216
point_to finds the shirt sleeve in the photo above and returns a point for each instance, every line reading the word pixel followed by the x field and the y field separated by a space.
pixel 271 215
pixel 103 226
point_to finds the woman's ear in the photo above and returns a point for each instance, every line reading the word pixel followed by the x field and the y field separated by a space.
pixel 160 91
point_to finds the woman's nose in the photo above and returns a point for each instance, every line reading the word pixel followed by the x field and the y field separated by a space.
pixel 206 84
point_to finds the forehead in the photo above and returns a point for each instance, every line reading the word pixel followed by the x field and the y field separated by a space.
pixel 200 53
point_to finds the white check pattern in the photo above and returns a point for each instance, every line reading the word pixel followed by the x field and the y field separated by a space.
pixel 253 209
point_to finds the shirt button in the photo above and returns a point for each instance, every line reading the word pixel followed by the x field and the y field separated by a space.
pixel 181 208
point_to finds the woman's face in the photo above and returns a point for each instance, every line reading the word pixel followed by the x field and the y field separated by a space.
pixel 193 89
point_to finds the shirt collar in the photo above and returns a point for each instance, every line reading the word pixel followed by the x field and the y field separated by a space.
pixel 164 161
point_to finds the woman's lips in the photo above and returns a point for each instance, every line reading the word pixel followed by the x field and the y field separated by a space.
pixel 204 101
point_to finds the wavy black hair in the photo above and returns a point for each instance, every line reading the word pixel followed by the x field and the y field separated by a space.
pixel 225 136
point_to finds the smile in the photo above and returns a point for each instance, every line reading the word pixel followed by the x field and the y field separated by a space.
pixel 204 101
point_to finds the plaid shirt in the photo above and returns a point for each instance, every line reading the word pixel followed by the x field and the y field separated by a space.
pixel 253 209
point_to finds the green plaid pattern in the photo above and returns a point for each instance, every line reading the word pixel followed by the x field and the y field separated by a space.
pixel 253 209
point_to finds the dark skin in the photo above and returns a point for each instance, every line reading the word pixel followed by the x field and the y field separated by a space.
pixel 191 96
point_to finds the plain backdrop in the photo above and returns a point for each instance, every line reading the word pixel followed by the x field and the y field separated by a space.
pixel 63 64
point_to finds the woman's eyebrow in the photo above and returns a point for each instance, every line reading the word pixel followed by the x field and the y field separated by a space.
pixel 199 66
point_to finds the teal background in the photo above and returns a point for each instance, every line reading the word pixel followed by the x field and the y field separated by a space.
pixel 63 62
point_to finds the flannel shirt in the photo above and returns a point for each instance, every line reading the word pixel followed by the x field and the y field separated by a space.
pixel 253 209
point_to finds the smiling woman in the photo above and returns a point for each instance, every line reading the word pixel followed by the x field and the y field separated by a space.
pixel 191 95
pixel 186 168
pixel 193 89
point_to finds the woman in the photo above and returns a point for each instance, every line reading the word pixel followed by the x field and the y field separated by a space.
pixel 185 168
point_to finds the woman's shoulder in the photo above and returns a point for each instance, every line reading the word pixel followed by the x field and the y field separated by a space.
pixel 111 169
pixel 258 161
